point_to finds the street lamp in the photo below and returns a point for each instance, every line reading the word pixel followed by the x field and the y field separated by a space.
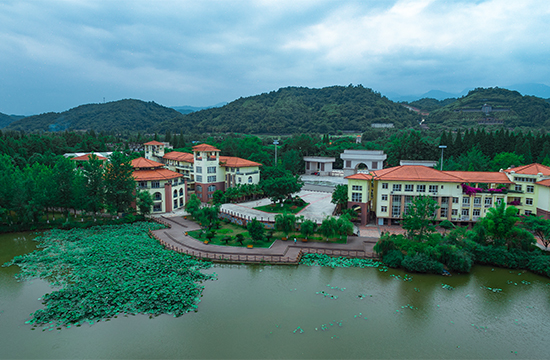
pixel 276 142
pixel 442 147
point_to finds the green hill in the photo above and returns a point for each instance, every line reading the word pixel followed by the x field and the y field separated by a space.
pixel 5 120
pixel 504 105
pixel 117 116
pixel 298 109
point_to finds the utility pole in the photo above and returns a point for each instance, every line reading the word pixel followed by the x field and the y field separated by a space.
pixel 276 142
pixel 442 147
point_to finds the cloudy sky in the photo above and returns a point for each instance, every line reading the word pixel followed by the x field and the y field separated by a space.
pixel 55 55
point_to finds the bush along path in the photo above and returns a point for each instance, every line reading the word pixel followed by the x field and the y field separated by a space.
pixel 106 271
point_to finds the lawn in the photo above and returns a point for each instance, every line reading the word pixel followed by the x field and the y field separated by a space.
pixel 277 208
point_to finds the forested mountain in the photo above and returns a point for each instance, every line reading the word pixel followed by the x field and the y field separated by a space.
pixel 431 104
pixel 117 116
pixel 507 106
pixel 299 110
pixel 5 120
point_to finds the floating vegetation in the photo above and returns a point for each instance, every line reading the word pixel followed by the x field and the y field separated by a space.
pixel 336 287
pixel 325 294
pixel 409 306
pixel 405 278
pixel 105 271
pixel 447 287
pixel 298 330
pixel 495 290
pixel 342 262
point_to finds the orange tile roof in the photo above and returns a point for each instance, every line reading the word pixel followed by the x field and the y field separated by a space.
pixel 236 162
pixel 155 174
pixel 179 156
pixel 204 147
pixel 153 143
pixel 482 177
pixel 414 173
pixel 86 157
pixel 359 176
pixel 143 163
pixel 531 169
pixel 544 182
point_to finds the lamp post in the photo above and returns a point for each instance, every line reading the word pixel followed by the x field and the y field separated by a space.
pixel 276 142
pixel 442 147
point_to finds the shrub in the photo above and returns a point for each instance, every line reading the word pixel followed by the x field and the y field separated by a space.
pixel 393 259
pixel 422 264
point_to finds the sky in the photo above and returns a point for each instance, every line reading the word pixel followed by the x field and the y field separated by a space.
pixel 56 55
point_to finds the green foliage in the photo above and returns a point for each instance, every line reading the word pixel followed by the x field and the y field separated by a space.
pixel 344 226
pixel 384 245
pixel 328 227
pixel 193 205
pixel 285 223
pixel 393 259
pixel 340 197
pixel 419 217
pixel 218 197
pixel 105 271
pixel 540 226
pixel 308 228
pixel 422 264
pixel 119 181
pixel 256 230
pixel 144 202
pixel 277 189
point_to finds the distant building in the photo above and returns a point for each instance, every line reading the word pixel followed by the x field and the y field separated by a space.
pixel 371 159
pixel 318 165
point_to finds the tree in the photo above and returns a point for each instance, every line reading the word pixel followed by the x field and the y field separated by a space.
pixel 308 228
pixel 240 238
pixel 144 202
pixel 256 230
pixel 218 197
pixel 119 182
pixel 94 185
pixel 344 226
pixel 505 160
pixel 419 217
pixel 277 189
pixel 193 205
pixel 328 227
pixel 64 175
pixel 285 223
pixel 208 217
pixel 540 226
pixel 340 197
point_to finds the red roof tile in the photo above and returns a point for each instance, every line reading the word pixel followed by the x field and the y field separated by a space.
pixel 153 143
pixel 235 162
pixel 179 156
pixel 86 157
pixel 143 163
pixel 204 147
pixel 481 177
pixel 359 176
pixel 414 173
pixel 544 182
pixel 531 169
pixel 155 174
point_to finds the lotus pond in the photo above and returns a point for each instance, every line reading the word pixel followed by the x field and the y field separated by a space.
pixel 340 310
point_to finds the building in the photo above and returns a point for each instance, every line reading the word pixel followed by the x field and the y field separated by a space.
pixel 462 196
pixel 353 159
pixel 205 170
pixel 167 187
pixel 318 165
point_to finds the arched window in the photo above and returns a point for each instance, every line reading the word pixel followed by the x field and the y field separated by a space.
pixel 175 193
pixel 157 196
pixel 181 192
pixel 198 188
pixel 250 179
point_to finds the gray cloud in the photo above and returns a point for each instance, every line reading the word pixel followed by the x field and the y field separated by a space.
pixel 60 54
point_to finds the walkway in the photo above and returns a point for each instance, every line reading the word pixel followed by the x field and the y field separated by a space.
pixel 280 252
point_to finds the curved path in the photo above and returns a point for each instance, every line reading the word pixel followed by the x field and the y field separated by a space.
pixel 285 252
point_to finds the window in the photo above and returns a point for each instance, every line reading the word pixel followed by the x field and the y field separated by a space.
pixel 374 165
pixel 465 200
pixel 211 169
pixel 397 199
pixel 476 212
pixel 181 202
pixel 444 212
pixel 396 187
pixel 143 184
pixel 212 188
pixel 465 212
pixel 357 187
pixel 409 187
pixel 396 211
pixel 529 201
pixel 433 188
pixel 198 188
pixel 157 196
pixel 488 201
pixel 454 212
pixel 157 207
pixel 384 185
pixel 517 187
pixel 444 200
pixel 421 188
pixel 210 195
pixel 175 203
pixel 455 200
pixel 181 192
pixel 348 163
pixel 240 179
pixel 477 200
pixel 383 209
pixel 357 197
pixel 499 201
pixel 175 193
pixel 155 184
pixel 250 179
pixel 530 189
pixel 211 178
pixel 384 197
pixel 528 212
pixel 198 169
pixel 198 178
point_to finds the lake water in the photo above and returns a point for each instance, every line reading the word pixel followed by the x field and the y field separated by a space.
pixel 261 311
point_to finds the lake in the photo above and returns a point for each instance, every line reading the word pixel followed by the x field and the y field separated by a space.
pixel 301 312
